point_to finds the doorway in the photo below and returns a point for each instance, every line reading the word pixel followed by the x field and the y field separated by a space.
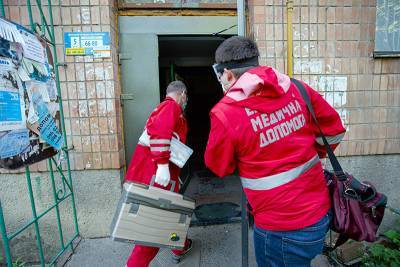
pixel 186 56
pixel 189 59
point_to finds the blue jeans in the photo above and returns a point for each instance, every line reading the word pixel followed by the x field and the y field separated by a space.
pixel 290 248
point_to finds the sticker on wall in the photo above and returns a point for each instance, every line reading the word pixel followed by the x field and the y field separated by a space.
pixel 96 44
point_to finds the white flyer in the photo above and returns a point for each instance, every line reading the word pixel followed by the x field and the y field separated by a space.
pixel 32 116
pixel 52 89
pixel 34 86
pixel 33 49
pixel 10 32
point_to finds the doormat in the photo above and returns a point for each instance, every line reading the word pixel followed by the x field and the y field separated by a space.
pixel 216 213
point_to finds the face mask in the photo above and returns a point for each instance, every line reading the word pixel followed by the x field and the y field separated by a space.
pixel 224 84
pixel 183 105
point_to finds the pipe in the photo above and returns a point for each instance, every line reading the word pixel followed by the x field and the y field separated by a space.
pixel 241 17
pixel 245 231
pixel 289 57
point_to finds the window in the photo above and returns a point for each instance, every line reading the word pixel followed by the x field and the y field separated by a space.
pixel 387 31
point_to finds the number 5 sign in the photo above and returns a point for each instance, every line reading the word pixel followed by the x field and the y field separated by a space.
pixel 96 44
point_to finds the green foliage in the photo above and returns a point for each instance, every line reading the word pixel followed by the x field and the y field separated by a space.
pixel 17 263
pixel 383 255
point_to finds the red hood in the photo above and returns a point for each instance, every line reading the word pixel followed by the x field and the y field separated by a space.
pixel 261 82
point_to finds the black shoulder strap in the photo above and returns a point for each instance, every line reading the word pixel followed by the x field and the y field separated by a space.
pixel 337 169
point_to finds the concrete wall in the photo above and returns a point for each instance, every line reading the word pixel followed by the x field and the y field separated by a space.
pixel 96 196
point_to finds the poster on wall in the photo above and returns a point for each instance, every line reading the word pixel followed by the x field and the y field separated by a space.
pixel 12 105
pixel 47 128
pixel 29 99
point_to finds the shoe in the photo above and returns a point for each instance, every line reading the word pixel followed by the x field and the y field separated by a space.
pixel 177 258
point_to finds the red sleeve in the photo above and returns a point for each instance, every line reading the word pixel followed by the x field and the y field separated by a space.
pixel 219 155
pixel 329 122
pixel 160 129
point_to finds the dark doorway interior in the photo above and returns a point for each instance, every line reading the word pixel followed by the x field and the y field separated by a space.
pixel 190 59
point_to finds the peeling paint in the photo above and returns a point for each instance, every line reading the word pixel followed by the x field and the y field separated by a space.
pixel 85 15
pixel 308 67
pixel 302 50
pixel 256 33
pixel 335 93
pixel 333 83
pixel 330 70
pixel 301 35
pixel 336 99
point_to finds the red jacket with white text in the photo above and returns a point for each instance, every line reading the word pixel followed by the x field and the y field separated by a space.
pixel 164 122
pixel 263 128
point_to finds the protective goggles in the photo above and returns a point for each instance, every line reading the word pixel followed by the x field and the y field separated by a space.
pixel 235 64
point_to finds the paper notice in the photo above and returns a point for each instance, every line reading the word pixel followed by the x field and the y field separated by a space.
pixel 47 126
pixel 32 116
pixel 33 49
pixel 10 32
pixel 13 142
pixel 52 89
pixel 23 74
pixel 37 87
pixel 12 105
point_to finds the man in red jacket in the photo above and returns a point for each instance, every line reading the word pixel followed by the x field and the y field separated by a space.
pixel 262 127
pixel 166 121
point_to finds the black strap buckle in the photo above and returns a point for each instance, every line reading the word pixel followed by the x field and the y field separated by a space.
pixel 341 176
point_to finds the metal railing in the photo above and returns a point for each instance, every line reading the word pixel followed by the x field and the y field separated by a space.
pixel 45 28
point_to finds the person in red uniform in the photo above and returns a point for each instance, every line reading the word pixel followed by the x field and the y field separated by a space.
pixel 262 128
pixel 166 121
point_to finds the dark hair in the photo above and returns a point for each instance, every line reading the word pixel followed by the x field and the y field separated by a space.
pixel 176 86
pixel 236 48
pixel 240 71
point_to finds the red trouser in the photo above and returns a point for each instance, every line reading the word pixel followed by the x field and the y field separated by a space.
pixel 141 256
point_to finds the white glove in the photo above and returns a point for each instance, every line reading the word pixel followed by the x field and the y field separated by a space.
pixel 162 175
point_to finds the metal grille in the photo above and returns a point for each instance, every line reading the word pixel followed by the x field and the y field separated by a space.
pixel 60 179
